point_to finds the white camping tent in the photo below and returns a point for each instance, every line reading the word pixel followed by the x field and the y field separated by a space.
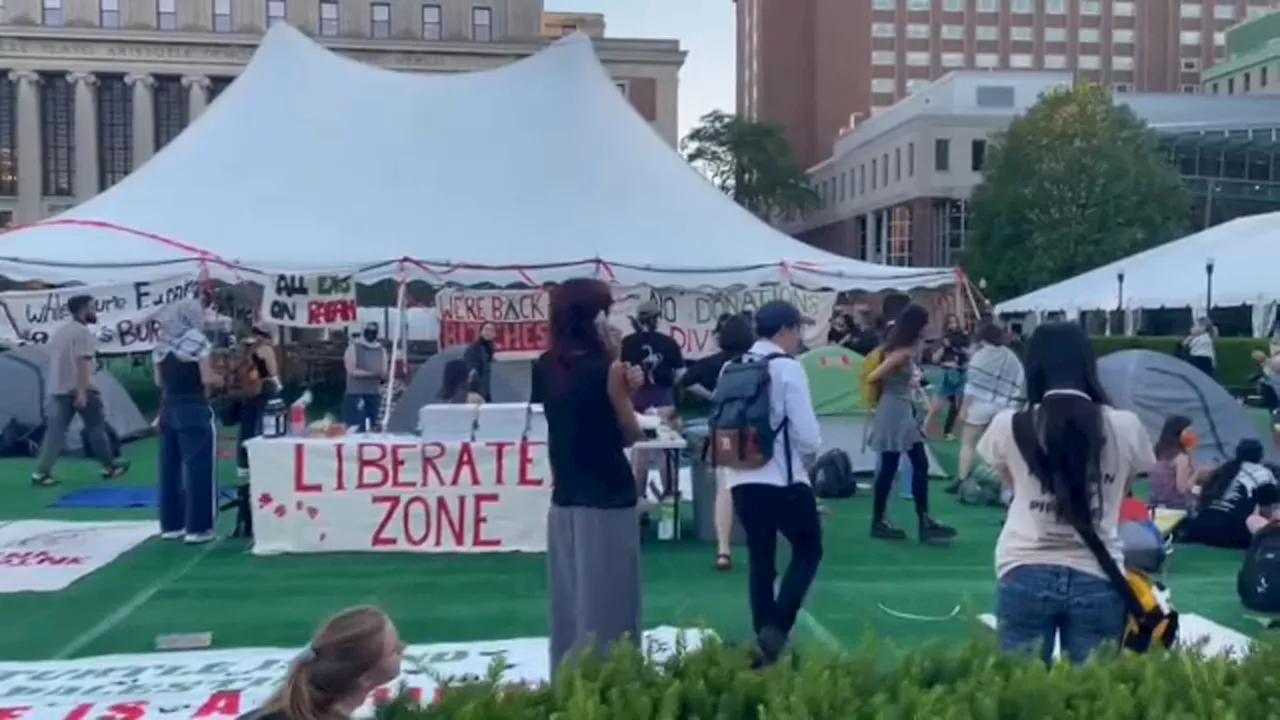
pixel 533 172
pixel 1244 253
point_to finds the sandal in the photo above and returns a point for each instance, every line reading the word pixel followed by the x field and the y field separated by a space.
pixel 724 562
pixel 43 480
pixel 116 470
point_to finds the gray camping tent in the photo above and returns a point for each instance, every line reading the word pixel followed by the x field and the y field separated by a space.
pixel 509 383
pixel 849 433
pixel 23 404
pixel 1156 385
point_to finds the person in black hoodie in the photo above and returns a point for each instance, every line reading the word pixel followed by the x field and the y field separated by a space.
pixel 735 336
pixel 479 359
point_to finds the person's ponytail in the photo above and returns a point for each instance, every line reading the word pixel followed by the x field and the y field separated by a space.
pixel 1061 440
pixel 298 698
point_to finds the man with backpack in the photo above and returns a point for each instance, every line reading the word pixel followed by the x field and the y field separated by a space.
pixel 765 434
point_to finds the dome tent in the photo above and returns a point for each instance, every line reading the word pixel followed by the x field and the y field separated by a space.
pixel 508 383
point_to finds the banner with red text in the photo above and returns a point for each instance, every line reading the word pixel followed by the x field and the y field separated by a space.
pixel 50 555
pixel 368 493
pixel 126 312
pixel 227 683
pixel 519 317
pixel 309 301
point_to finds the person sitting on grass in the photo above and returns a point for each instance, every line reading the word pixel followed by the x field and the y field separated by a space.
pixel 1237 500
pixel 1175 479
pixel 352 654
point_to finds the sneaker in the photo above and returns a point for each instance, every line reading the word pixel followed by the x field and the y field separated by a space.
pixel 949 437
pixel 883 530
pixel 117 469
pixel 175 535
pixel 200 538
pixel 43 480
pixel 932 531
pixel 770 641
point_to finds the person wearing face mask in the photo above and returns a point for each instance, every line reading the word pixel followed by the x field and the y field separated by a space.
pixel 73 349
pixel 367 367
pixel 479 358
pixel 258 370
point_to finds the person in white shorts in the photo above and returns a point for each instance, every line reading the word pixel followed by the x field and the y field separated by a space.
pixel 996 382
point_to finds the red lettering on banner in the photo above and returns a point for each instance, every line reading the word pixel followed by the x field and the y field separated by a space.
pixel 527 461
pixel 500 449
pixel 79 712
pixel 431 452
pixel 371 458
pixel 14 713
pixel 482 519
pixel 423 520
pixel 38 558
pixel 134 711
pixel 380 537
pixel 340 460
pixel 693 342
pixel 466 463
pixel 398 463
pixel 223 702
pixel 331 312
pixel 300 470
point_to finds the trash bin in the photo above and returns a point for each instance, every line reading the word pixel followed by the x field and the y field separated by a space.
pixel 703 480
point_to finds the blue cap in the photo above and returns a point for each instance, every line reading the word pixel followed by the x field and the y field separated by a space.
pixel 777 315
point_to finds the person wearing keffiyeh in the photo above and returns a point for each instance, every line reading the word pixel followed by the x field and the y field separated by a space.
pixel 996 381
pixel 188 435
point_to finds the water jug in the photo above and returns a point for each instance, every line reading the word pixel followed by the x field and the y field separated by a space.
pixel 275 419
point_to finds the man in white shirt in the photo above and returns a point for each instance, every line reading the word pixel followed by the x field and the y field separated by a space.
pixel 777 498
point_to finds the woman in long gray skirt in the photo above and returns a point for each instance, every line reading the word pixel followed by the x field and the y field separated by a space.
pixel 593 528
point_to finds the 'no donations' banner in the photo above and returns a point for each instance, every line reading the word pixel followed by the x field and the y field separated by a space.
pixel 384 494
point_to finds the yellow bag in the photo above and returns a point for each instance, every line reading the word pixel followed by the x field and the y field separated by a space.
pixel 870 390
pixel 1150 618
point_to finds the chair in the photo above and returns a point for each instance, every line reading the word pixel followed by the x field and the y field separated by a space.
pixel 502 421
pixel 447 423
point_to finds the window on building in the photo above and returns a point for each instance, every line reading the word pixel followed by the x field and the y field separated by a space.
pixel 51 15
pixel 988 6
pixel 481 24
pixel 1214 88
pixel 1021 61
pixel 953 5
pixel 1089 62
pixel 843 188
pixel 115 130
pixel 862 179
pixel 918 5
pixel 899 250
pixel 1121 62
pixel 1262 77
pixel 911 160
pixel 885 4
pixel 942 155
pixel 57 133
pixel 917 31
pixel 276 12
pixel 1122 9
pixel 1088 35
pixel 1122 36
pixel 952 60
pixel 167 14
pixel 109 14
pixel 380 20
pixel 987 33
pixel 875 173
pixel 1190 89
pixel 950 225
pixel 897 165
pixel 1121 87
pixel 883 30
pixel 329 18
pixel 1090 7
pixel 172 108
pixel 1224 12
pixel 883 85
pixel 884 170
pixel 952 32
pixel 1192 10
pixel 219 85
pixel 1055 7
pixel 1190 38
pixel 1021 7
pixel 431 28
pixel 1247 82
pixel 1231 86
pixel 916 85
pixel 8 137
pixel 222 16
pixel 979 155
pixel 1055 34
pixel 1055 62
pixel 1021 34
pixel 918 59
pixel 884 57
pixel 986 60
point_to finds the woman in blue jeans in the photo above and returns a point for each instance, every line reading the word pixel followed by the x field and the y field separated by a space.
pixel 1070 466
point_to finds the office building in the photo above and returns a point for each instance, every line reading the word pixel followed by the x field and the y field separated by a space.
pixel 818 67
pixel 895 189
pixel 93 88
pixel 1251 63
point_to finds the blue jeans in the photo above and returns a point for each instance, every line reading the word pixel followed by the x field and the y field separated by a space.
pixel 1037 603
pixel 188 487
pixel 357 409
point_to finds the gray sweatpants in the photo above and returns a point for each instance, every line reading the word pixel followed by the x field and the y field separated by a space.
pixel 62 409
pixel 593 574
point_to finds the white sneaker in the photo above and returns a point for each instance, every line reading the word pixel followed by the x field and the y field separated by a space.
pixel 175 535
pixel 200 538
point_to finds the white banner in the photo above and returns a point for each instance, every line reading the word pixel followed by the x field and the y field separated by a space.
pixel 519 317
pixel 48 555
pixel 365 493
pixel 126 312
pixel 228 683
pixel 689 317
pixel 309 301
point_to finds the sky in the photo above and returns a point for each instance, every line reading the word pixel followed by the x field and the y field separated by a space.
pixel 705 29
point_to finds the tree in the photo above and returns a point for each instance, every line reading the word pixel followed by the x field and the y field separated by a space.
pixel 1075 183
pixel 751 162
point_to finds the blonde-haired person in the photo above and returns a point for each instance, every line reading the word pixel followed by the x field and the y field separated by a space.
pixel 353 653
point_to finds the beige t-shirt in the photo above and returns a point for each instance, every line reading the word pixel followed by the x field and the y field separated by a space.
pixel 1032 534
pixel 69 344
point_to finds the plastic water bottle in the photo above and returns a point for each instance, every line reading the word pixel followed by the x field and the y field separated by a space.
pixel 298 414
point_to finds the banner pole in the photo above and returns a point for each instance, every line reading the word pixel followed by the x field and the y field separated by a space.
pixel 396 339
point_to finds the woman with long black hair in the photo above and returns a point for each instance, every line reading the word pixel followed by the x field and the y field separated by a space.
pixel 1069 459
pixel 1236 500
pixel 593 526
pixel 896 428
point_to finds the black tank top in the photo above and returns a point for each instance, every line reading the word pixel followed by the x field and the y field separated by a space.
pixel 180 379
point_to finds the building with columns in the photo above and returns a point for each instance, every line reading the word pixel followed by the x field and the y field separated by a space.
pixel 91 89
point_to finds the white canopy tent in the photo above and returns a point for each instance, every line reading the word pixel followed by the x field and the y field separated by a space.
pixel 1244 252
pixel 531 173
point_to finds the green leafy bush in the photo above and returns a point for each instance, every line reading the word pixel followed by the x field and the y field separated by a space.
pixel 973 680
pixel 1235 367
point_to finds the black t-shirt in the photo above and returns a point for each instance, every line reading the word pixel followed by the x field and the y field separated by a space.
pixel 863 342
pixel 953 349
pixel 656 353
pixel 706 372
pixel 180 379
pixel 1253 487
pixel 584 438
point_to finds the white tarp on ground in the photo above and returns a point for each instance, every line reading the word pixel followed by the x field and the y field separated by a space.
pixel 1245 254
pixel 531 172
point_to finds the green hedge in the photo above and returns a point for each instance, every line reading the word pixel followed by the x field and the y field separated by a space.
pixel 1235 367
pixel 972 680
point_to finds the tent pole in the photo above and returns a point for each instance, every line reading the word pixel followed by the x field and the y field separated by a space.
pixel 396 337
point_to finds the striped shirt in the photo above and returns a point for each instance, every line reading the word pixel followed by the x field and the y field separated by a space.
pixel 995 376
